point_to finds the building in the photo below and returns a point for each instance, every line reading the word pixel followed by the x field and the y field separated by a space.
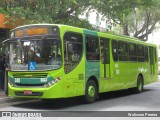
pixel 98 22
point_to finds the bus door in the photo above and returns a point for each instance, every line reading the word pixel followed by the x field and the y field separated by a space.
pixel 152 59
pixel 105 58
pixel 73 63
pixel 105 72
pixel 92 56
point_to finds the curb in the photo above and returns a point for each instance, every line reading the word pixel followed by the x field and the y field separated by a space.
pixel 7 99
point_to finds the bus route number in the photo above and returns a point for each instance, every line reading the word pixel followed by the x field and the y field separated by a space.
pixel 17 80
pixel 43 79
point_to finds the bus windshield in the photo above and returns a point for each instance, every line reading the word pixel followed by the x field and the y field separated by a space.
pixel 35 54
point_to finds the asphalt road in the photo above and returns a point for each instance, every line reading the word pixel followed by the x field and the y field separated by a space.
pixel 149 100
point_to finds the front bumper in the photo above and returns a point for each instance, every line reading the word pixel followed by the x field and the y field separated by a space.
pixel 54 91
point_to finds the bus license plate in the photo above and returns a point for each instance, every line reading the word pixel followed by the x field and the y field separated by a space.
pixel 27 92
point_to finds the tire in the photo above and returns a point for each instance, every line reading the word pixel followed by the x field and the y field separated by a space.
pixel 47 100
pixel 90 92
pixel 139 87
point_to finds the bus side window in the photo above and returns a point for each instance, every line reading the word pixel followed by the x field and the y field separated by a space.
pixel 105 52
pixel 123 51
pixel 132 52
pixel 92 48
pixel 72 50
pixel 146 53
pixel 140 49
pixel 115 50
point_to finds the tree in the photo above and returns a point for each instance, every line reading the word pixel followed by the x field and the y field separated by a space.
pixel 136 18
pixel 145 21
pixel 45 11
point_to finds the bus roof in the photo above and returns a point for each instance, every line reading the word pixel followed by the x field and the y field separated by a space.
pixel 101 34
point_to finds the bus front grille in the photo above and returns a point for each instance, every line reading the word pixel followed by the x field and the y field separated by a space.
pixel 29 85
pixel 29 75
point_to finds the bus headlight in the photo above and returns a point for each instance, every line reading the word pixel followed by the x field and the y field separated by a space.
pixel 12 84
pixel 58 79
pixel 53 82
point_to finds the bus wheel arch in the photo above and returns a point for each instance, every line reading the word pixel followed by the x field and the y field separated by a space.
pixel 91 90
pixel 139 84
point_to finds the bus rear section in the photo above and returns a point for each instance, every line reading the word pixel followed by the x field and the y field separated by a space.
pixel 126 63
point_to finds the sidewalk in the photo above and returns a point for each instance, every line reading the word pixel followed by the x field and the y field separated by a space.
pixel 6 99
pixel 2 95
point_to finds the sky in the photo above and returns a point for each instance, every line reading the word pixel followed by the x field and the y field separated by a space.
pixel 154 37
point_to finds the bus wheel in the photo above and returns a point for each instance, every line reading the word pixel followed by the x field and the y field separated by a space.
pixel 139 87
pixel 90 92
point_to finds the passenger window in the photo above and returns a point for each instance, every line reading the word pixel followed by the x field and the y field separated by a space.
pixel 132 52
pixel 146 53
pixel 104 45
pixel 115 50
pixel 140 53
pixel 155 54
pixel 92 48
pixel 72 50
pixel 123 51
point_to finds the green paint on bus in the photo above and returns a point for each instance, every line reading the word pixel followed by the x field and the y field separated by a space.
pixel 70 61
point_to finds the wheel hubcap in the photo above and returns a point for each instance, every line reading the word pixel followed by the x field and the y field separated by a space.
pixel 91 91
pixel 140 86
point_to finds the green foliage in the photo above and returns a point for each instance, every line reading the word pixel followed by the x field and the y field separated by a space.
pixel 135 17
pixel 46 11
pixel 117 10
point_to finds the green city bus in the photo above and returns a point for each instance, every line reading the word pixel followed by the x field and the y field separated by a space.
pixel 49 61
